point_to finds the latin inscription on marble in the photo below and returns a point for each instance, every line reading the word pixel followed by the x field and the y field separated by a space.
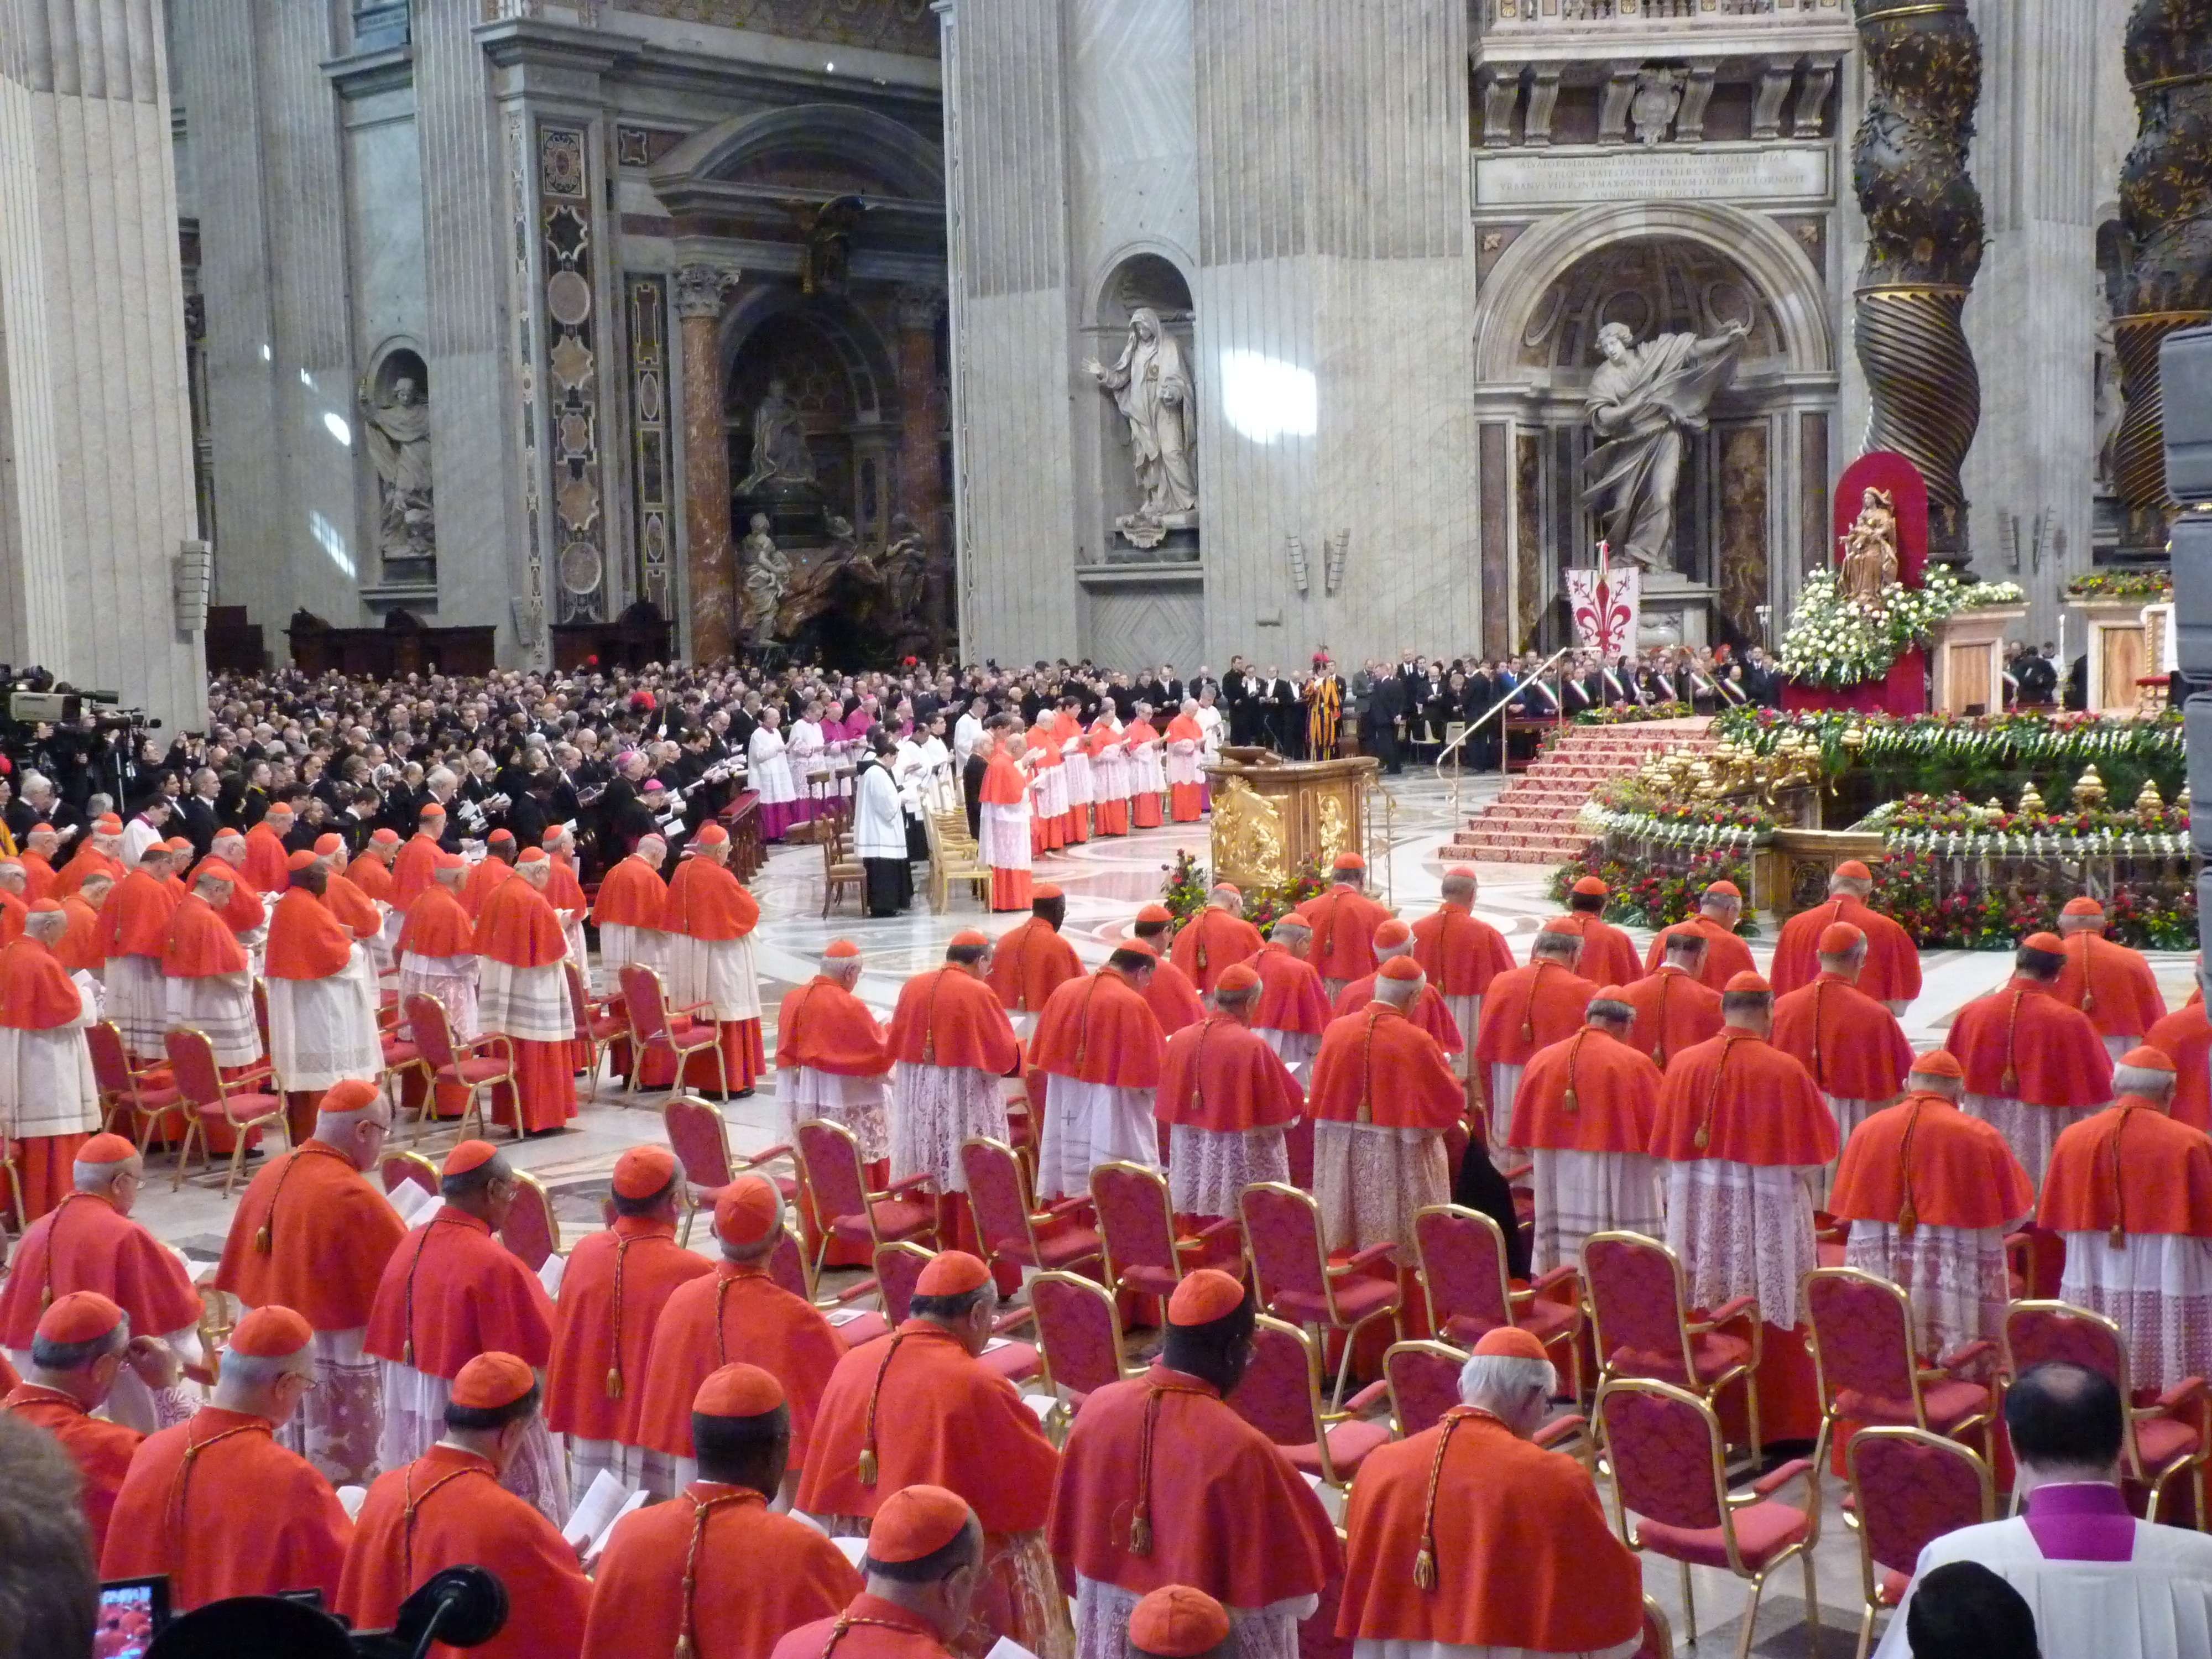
pixel 1614 175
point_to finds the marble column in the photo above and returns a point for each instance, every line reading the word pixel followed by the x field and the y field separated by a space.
pixel 708 560
pixel 921 418
pixel 95 426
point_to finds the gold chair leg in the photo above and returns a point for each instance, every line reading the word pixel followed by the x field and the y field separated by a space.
pixel 1812 1599
pixel 1343 1369
pixel 1751 1619
pixel 237 1162
pixel 185 1152
pixel 1689 1608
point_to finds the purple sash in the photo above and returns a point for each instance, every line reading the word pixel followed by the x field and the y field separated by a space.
pixel 2082 1521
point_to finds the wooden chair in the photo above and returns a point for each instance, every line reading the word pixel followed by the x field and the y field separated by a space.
pixel 1280 1395
pixel 1640 1323
pixel 531 1231
pixel 655 1028
pixel 841 872
pixel 207 1096
pixel 950 862
pixel 1868 1373
pixel 1298 1282
pixel 483 1064
pixel 146 1093
pixel 1908 1487
pixel 1465 1277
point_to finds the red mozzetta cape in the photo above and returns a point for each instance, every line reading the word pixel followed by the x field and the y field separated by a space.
pixel 351 907
pixel 947 1017
pixel 14 914
pixel 612 1292
pixel 88 862
pixel 734 1315
pixel 1616 1104
pixel 563 891
pixel 331 1235
pixel 706 902
pixel 306 941
pixel 1222 1076
pixel 1523 1556
pixel 824 1027
pixel 2132 1167
pixel 756 1575
pixel 452 1292
pixel 1377 1066
pixel 631 895
pixel 102 1450
pixel 1608 957
pixel 1344 920
pixel 82 1245
pixel 2020 1042
pixel 2185 1038
pixel 489 874
pixel 1029 964
pixel 134 921
pixel 1210 944
pixel 1292 996
pixel 1957 1169
pixel 265 865
pixel 38 879
pixel 517 927
pixel 36 992
pixel 1891 972
pixel 1528 1009
pixel 436 926
pixel 1428 1012
pixel 246 909
pixel 1851 1044
pixel 373 875
pixel 1726 956
pixel 411 866
pixel 448 1509
pixel 1674 1010
pixel 1230 1516
pixel 1753 1104
pixel 2110 983
pixel 1097 1030
pixel 1459 953
pixel 80 946
pixel 1003 784
pixel 1173 999
pixel 243 1516
pixel 880 1630
pixel 201 943
pixel 942 1419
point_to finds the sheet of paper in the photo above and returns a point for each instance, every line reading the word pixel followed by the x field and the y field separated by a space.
pixel 407 1198
pixel 550 1274
pixel 801 1514
pixel 350 1498
pixel 634 1501
pixel 853 1548
pixel 845 1315
pixel 1041 1403
pixel 595 1511
pixel 1007 1648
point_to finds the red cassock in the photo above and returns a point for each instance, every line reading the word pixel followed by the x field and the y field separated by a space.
pixel 2110 983
pixel 102 1450
pixel 868 1628
pixel 1754 1104
pixel 84 1245
pixel 1376 1066
pixel 1616 1104
pixel 1459 953
pixel 947 1017
pixel 1674 1010
pixel 2129 1168
pixel 79 950
pixel 264 866
pixel 517 927
pixel 612 1292
pixel 452 1292
pixel 1891 972
pixel 941 1419
pixel 2020 1042
pixel 1173 999
pixel 1210 944
pixel 224 1511
pixel 411 868
pixel 1609 957
pixel 1524 1557
pixel 1925 1155
pixel 2184 1037
pixel 38 994
pixel 1029 964
pixel 88 861
pixel 246 909
pixel 489 873
pixel 1226 1511
pixel 1292 995
pixel 38 879
pixel 330 1236
pixel 735 1314
pixel 708 904
pixel 1726 956
pixel 1221 1076
pixel 1097 1030
pixel 447 1508
pixel 1528 1009
pixel 1428 1012
pixel 755 1577
pixel 1851 1044
pixel 14 913
pixel 1344 920
pixel 631 895
pixel 563 891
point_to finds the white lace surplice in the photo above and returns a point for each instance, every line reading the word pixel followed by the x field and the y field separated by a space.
pixel 717 971
pixel 1742 1230
pixel 2030 1131
pixel 2158 1287
pixel 862 1104
pixel 138 1003
pixel 1466 1014
pixel 529 1004
pixel 1003 835
pixel 1368 1181
pixel 1087 1124
pixel 1296 1049
pixel 46 1084
pixel 1955 1275
pixel 1578 1194
pixel 1207 1169
pixel 452 981
pixel 935 1109
pixel 320 1034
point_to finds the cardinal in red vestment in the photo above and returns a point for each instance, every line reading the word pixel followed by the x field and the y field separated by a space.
pixel 1892 971
pixel 1848 1041
pixel 1213 938
pixel 322 1008
pixel 268 859
pixel 712 1573
pixel 1586 1108
pixel 449 1509
pixel 1004 839
pixel 1461 953
pixel 709 919
pixel 496 868
pixel 211 979
pixel 627 909
pixel 1099 1047
pixel 1394 939
pixel 134 929
pixel 1608 958
pixel 2185 1037
pixel 1293 1008
pixel 2106 980
pixel 1161 1483
pixel 1527 1009
pixel 926 1596
pixel 312 1234
pixel 49 1099
pixel 1344 919
pixel 1031 960
pixel 952 1049
pixel 522 991
pixel 438 959
pixel 1726 956
pixel 1223 1099
pixel 1171 996
pixel 1186 745
pixel 215 1502
pixel 412 865
pixel 2033 1065
pixel 1676 1009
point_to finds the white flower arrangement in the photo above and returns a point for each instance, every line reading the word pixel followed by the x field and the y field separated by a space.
pixel 1837 642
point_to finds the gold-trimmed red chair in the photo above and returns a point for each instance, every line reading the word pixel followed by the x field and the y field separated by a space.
pixel 1908 1487
pixel 207 1096
pixel 483 1064
pixel 532 1232
pixel 655 1028
pixel 2165 1440
pixel 1008 1223
pixel 699 1136
pixel 1861 1330
pixel 898 1269
pixel 396 1168
pixel 600 1022
pixel 1465 1277
pixel 1663 1448
pixel 1423 1379
pixel 1144 1254
pixel 1298 1283
pixel 1280 1394
pixel 1079 1330
pixel 1640 1323
pixel 832 1176
pixel 147 1093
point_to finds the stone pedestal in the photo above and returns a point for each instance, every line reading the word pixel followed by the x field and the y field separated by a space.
pixel 2118 653
pixel 1675 610
pixel 708 567
pixel 1970 658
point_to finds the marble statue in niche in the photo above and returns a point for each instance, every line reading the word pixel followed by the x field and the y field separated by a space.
pixel 397 432
pixel 1150 384
pixel 1643 401
pixel 780 451
pixel 767 577
pixel 1870 552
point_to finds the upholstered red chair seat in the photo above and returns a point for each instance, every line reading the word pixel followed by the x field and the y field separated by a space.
pixel 1017 1362
pixel 1357 1296
pixel 1948 1404
pixel 1763 1531
pixel 1711 1354
pixel 244 1109
pixel 397 1053
pixel 1348 1446
pixel 2163 1440
pixel 896 1218
pixel 1066 1246
pixel 473 1071
pixel 868 1328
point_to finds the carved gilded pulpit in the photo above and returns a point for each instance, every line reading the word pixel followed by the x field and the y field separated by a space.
pixel 1272 817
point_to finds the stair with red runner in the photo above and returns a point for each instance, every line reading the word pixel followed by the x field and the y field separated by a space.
pixel 1533 821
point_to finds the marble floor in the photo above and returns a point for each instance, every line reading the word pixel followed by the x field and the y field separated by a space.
pixel 1106 881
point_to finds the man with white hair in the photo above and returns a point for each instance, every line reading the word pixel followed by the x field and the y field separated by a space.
pixel 2130 1191
pixel 768 772
pixel 952 1046
pixel 1292 1011
pixel 322 1027
pixel 709 918
pixel 1383 1098
pixel 15 892
pixel 1225 1096
pixel 1585 1109
pixel 211 981
pixel 522 991
pixel 2106 981
pixel 2034 1066
pixel 1719 908
pixel 1930 1194
pixel 1468 1539
pixel 41 847
pixel 1394 939
pixel 830 1057
pixel 1100 1049
pixel 1852 1045
pixel 1461 953
pixel 134 930
pixel 1214 940
pixel 49 1102
pixel 101 854
pixel 1186 745
pixel 627 911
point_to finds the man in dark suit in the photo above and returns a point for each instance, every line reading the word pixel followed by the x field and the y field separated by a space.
pixel 1233 695
pixel 198 811
pixel 1391 699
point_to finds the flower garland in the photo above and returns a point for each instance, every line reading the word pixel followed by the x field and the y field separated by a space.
pixel 1184 894
pixel 2041 741
pixel 1631 714
pixel 1837 642
pixel 1646 898
pixel 2152 584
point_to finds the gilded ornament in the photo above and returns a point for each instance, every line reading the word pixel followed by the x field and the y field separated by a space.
pixel 1249 844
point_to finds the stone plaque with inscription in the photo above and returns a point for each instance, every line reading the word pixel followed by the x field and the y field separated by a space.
pixel 1572 177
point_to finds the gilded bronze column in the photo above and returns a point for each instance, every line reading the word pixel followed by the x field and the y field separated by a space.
pixel 2166 208
pixel 711 579
pixel 1923 246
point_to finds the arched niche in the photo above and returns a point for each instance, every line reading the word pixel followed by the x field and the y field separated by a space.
pixel 813 142
pixel 1141 278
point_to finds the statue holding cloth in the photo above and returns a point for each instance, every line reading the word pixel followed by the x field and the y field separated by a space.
pixel 1642 401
